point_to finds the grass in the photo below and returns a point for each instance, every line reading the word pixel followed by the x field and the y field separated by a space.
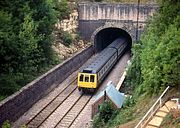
pixel 172 120
pixel 132 113
pixel 2 97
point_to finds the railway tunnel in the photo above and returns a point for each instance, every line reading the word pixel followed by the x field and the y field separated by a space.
pixel 105 36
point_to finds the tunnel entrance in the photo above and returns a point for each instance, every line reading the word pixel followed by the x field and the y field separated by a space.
pixel 105 36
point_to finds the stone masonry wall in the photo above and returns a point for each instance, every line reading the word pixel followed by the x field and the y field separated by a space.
pixel 70 24
pixel 14 106
pixel 95 15
pixel 115 11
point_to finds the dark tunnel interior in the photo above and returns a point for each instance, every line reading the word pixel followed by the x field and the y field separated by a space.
pixel 106 36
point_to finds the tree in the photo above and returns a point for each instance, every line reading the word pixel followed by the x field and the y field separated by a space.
pixel 25 38
pixel 62 9
pixel 157 54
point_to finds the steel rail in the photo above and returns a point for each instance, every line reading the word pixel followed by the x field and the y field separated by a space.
pixel 30 122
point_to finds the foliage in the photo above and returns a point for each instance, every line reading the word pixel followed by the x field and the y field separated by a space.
pixel 2 97
pixel 25 39
pixel 125 114
pixel 6 124
pixel 122 117
pixel 171 120
pixel 155 63
pixel 106 112
pixel 159 54
pixel 62 9
pixel 133 110
pixel 77 37
pixel 129 102
pixel 66 37
pixel 134 77
pixel 97 122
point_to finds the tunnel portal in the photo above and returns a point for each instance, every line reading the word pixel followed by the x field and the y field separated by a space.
pixel 107 35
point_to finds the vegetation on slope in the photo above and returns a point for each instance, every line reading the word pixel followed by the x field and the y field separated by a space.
pixel 155 63
pixel 26 39
pixel 106 112
pixel 158 56
pixel 119 1
pixel 172 120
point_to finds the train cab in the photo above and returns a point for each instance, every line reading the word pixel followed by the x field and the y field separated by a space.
pixel 87 80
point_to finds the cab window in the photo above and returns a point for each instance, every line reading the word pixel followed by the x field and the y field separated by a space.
pixel 91 78
pixel 81 77
pixel 86 78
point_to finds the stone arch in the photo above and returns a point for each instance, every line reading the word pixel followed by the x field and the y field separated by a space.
pixel 123 28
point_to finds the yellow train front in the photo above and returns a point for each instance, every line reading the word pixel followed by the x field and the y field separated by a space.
pixel 90 76
pixel 87 81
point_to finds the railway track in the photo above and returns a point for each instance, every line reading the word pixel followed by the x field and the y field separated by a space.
pixel 62 110
pixel 63 100
pixel 73 113
pixel 65 107
pixel 47 110
pixel 65 114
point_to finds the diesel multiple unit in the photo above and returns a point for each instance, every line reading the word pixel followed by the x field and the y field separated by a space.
pixel 93 74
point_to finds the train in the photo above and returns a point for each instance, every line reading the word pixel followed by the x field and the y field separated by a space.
pixel 91 75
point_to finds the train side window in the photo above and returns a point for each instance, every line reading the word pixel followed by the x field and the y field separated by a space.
pixel 81 77
pixel 91 78
pixel 86 78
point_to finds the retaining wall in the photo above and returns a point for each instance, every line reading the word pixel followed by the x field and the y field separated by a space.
pixel 17 104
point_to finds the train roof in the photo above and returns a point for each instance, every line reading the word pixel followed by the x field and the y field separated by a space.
pixel 98 61
pixel 117 43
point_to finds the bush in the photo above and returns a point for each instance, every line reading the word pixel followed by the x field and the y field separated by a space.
pixel 106 112
pixel 155 62
pixel 6 124
pixel 77 37
pixel 62 9
pixel 134 78
pixel 129 102
pixel 25 40
pixel 8 84
pixel 97 122
pixel 67 38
